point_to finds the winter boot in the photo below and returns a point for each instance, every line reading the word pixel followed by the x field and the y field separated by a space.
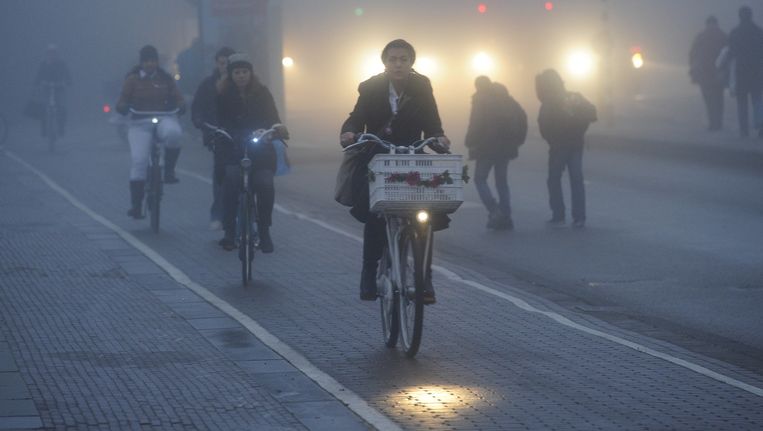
pixel 137 190
pixel 368 281
pixel 170 160
pixel 266 243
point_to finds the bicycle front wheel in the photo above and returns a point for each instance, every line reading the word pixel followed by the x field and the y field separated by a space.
pixel 245 243
pixel 388 300
pixel 411 290
pixel 154 195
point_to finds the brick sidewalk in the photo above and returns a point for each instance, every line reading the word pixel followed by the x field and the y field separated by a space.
pixel 93 335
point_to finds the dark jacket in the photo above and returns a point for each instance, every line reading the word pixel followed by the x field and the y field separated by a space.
pixel 241 116
pixel 417 114
pixel 746 46
pixel 157 92
pixel 55 71
pixel 704 52
pixel 497 125
pixel 417 111
pixel 563 121
pixel 204 106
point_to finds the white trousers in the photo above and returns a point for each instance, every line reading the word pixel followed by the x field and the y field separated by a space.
pixel 141 133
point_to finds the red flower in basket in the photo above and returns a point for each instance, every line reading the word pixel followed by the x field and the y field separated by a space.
pixel 413 178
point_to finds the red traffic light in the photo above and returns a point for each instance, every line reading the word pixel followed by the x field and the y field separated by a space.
pixel 549 6
pixel 482 8
pixel 106 108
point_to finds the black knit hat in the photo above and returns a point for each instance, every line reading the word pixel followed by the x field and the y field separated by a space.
pixel 148 52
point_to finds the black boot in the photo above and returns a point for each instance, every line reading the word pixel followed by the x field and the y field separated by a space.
pixel 368 281
pixel 170 160
pixel 137 190
pixel 266 243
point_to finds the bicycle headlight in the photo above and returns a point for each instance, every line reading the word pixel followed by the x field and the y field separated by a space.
pixel 422 216
pixel 246 163
pixel 155 120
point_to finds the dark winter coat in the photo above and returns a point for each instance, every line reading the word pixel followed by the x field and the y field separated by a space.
pixel 55 71
pixel 704 52
pixel 497 125
pixel 241 116
pixel 746 46
pixel 563 121
pixel 417 111
pixel 204 106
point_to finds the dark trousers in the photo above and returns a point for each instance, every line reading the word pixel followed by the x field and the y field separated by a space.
pixel 572 160
pixel 713 97
pixel 500 166
pixel 744 97
pixel 261 181
pixel 218 176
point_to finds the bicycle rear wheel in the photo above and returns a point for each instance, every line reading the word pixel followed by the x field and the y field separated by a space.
pixel 154 195
pixel 388 300
pixel 411 290
pixel 245 243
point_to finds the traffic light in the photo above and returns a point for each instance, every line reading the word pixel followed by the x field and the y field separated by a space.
pixel 637 57
pixel 482 8
pixel 549 6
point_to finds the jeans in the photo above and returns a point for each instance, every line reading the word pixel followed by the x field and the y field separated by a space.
pixel 261 182
pixel 572 160
pixel 713 97
pixel 481 171
pixel 140 135
pixel 756 97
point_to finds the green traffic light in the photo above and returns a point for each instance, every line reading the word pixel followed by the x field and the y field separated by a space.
pixel 359 11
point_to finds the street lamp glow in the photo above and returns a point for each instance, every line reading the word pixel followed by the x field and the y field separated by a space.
pixel 637 59
pixel 287 62
pixel 580 63
pixel 426 66
pixel 372 66
pixel 482 63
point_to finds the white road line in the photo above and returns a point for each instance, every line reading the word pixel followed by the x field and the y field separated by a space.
pixel 349 398
pixel 551 315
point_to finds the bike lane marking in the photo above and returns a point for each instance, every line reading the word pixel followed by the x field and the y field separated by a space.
pixel 354 402
pixel 520 303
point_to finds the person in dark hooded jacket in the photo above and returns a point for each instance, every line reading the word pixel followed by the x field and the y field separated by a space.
pixel 704 52
pixel 497 127
pixel 563 119
pixel 243 106
pixel 746 50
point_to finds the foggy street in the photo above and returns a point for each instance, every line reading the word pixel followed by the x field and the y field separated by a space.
pixel 643 315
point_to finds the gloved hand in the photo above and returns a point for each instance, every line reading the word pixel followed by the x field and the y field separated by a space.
pixel 443 145
pixel 281 131
pixel 346 138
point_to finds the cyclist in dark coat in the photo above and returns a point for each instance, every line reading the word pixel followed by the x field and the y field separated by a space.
pixel 497 127
pixel 398 106
pixel 54 70
pixel 204 110
pixel 243 106
pixel 563 119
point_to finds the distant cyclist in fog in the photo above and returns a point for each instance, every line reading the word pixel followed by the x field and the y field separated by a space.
pixel 497 127
pixel 704 51
pixel 204 110
pixel 746 50
pixel 563 119
pixel 53 70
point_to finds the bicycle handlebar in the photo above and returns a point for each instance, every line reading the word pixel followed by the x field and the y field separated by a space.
pixel 257 135
pixel 417 145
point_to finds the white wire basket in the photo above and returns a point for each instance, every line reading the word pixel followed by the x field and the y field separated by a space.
pixel 402 183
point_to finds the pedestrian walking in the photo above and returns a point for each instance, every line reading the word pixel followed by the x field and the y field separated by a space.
pixel 704 51
pixel 204 110
pixel 497 127
pixel 563 119
pixel 746 50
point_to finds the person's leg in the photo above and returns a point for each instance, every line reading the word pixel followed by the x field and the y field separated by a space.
pixel 577 188
pixel 481 171
pixel 139 137
pixel 262 182
pixel 230 192
pixel 170 133
pixel 500 173
pixel 374 238
pixel 707 98
pixel 744 129
pixel 556 163
pixel 757 111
